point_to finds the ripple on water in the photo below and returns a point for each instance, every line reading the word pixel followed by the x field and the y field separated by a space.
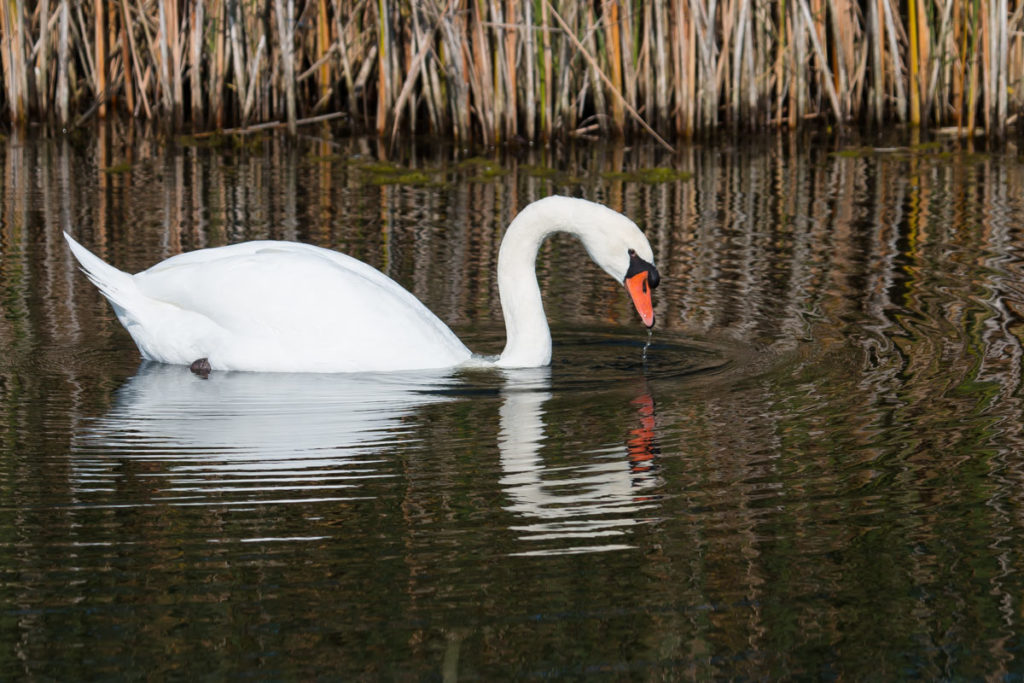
pixel 591 361
pixel 588 360
pixel 245 439
pixel 572 479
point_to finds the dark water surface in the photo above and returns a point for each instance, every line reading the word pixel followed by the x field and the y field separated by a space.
pixel 817 472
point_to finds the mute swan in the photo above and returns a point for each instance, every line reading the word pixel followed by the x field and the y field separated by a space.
pixel 290 307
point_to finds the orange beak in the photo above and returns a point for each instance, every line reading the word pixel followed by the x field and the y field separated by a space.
pixel 640 291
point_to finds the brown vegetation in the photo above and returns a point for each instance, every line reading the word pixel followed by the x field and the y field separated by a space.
pixel 490 70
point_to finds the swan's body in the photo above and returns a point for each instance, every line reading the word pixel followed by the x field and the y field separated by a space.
pixel 290 307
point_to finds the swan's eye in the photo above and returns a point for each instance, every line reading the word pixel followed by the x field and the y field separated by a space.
pixel 637 265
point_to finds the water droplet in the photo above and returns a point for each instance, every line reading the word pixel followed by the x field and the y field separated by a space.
pixel 650 333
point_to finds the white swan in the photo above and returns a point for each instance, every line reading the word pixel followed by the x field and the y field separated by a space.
pixel 290 307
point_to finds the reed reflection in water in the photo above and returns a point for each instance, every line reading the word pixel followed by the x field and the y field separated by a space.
pixel 817 472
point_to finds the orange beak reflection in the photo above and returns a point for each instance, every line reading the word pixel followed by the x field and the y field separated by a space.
pixel 639 289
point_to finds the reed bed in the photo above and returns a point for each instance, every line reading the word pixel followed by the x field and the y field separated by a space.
pixel 489 71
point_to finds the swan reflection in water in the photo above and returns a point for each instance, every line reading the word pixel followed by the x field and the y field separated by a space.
pixel 239 437
pixel 243 438
pixel 593 503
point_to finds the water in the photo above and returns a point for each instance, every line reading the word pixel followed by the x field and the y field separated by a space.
pixel 811 468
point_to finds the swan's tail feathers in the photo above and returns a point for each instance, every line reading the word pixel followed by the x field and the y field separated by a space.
pixel 115 284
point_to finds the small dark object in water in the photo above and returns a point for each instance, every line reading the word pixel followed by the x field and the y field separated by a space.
pixel 201 367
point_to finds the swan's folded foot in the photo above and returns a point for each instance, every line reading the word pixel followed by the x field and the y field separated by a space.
pixel 201 367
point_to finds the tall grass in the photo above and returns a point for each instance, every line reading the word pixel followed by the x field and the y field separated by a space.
pixel 493 70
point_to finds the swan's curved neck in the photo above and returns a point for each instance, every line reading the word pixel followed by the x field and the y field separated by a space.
pixel 528 336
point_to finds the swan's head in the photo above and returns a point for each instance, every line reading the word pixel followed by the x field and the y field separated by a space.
pixel 621 249
pixel 640 279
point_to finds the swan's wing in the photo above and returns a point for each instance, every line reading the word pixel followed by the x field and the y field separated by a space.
pixel 217 254
pixel 301 305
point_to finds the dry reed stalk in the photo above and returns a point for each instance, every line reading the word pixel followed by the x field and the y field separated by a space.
pixel 1015 65
pixel 737 61
pixel 505 55
pixel 1015 56
pixel 915 83
pixel 436 80
pixel 285 10
pixel 546 83
pixel 510 73
pixel 436 90
pixel 384 70
pixel 480 72
pixel 456 67
pixel 341 30
pixel 687 65
pixel 960 77
pixel 946 50
pixel 986 62
pixel 9 60
pixel 494 50
pixel 323 49
pixel 628 107
pixel 613 45
pixel 754 66
pixel 842 56
pixel 217 66
pixel 628 54
pixel 85 53
pixel 877 109
pixel 162 55
pixel 797 93
pixel 705 47
pixel 236 37
pixel 826 76
pixel 126 72
pixel 645 61
pixel 759 74
pixel 42 65
pixel 676 37
pixel 725 28
pixel 196 61
pixel 594 72
pixel 818 25
pixel 100 61
pixel 789 21
pixel 896 62
pixel 173 42
pixel 926 37
pixel 415 70
pixel 972 85
pixel 529 91
pixel 1001 80
pixel 661 66
pixel 63 89
pixel 250 95
pixel 781 73
pixel 565 114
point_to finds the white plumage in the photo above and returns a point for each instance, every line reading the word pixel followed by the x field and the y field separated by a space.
pixel 290 307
